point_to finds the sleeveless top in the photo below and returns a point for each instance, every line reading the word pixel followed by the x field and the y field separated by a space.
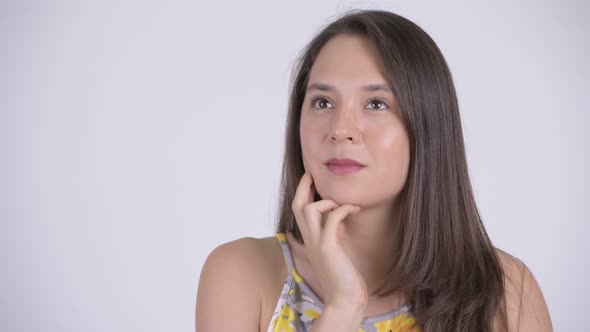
pixel 298 306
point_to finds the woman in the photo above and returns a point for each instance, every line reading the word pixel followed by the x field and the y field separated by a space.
pixel 378 229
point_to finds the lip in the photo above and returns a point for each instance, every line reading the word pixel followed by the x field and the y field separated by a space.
pixel 344 166
pixel 343 162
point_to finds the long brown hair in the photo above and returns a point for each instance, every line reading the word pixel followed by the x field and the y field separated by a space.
pixel 446 261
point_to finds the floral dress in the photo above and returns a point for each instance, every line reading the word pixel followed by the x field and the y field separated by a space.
pixel 298 306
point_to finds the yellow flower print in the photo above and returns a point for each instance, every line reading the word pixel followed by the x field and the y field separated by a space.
pixel 281 237
pixel 401 323
pixel 283 321
pixel 296 275
pixel 311 313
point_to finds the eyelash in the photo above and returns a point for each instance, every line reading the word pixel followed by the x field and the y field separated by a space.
pixel 314 100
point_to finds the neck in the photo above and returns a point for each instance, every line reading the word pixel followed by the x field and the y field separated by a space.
pixel 372 241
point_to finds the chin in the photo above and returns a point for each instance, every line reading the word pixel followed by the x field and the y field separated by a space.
pixel 341 197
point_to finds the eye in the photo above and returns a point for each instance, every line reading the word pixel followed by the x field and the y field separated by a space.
pixel 377 102
pixel 320 103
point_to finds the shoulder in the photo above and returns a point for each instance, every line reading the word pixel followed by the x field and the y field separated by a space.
pixel 242 261
pixel 245 254
pixel 526 309
pixel 232 278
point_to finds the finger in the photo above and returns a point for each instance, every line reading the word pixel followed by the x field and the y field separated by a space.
pixel 312 213
pixel 301 197
pixel 299 201
pixel 330 233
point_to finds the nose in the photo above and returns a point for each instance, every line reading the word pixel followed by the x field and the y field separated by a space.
pixel 344 127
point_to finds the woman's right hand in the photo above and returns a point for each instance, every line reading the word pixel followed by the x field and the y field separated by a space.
pixel 343 286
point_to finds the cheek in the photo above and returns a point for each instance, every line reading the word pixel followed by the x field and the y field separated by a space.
pixel 393 151
pixel 310 138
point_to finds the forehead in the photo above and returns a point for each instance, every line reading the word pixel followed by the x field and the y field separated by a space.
pixel 347 61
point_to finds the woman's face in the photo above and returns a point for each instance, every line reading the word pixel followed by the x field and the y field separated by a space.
pixel 349 112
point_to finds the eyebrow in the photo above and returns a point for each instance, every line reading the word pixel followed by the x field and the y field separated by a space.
pixel 368 87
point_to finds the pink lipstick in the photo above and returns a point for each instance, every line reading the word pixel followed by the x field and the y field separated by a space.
pixel 344 166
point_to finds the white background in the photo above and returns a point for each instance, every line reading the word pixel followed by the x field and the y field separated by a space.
pixel 137 136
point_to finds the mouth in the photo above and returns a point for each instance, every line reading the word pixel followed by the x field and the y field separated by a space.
pixel 344 166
